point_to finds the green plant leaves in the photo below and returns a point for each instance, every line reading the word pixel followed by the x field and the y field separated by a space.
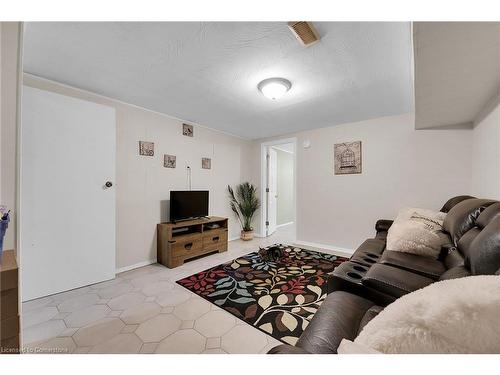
pixel 244 203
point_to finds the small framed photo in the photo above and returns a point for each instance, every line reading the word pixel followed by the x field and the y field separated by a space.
pixel 146 148
pixel 187 130
pixel 206 163
pixel 169 161
pixel 347 158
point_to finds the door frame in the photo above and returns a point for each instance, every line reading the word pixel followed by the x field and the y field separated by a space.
pixel 263 180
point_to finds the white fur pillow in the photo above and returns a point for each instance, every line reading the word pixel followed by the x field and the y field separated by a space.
pixel 417 231
pixel 351 347
pixel 451 316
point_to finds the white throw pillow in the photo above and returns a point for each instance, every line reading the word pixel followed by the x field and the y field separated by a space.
pixel 450 316
pixel 417 231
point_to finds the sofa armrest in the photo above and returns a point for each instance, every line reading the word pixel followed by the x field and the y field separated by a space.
pixel 394 281
pixel 383 225
pixel 287 349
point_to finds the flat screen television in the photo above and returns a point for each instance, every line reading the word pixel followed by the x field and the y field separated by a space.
pixel 188 204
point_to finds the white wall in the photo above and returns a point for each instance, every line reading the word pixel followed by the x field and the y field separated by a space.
pixel 486 156
pixel 401 167
pixel 284 202
pixel 143 184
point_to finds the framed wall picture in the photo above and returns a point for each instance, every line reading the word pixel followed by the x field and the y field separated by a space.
pixel 169 161
pixel 187 130
pixel 347 158
pixel 146 148
pixel 206 163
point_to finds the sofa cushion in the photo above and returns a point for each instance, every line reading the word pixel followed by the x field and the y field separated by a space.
pixel 338 317
pixel 393 281
pixel 451 316
pixel 424 266
pixel 455 273
pixel 417 231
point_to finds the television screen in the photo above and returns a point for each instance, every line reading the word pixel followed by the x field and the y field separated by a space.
pixel 188 204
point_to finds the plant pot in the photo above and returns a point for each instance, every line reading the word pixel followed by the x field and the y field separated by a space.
pixel 247 235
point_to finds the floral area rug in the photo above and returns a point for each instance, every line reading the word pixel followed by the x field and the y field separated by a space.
pixel 278 297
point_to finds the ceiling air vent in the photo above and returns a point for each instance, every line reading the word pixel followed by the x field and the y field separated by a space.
pixel 304 32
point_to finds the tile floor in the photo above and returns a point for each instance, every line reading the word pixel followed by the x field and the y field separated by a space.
pixel 144 311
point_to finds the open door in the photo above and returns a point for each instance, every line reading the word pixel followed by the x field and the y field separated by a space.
pixel 271 190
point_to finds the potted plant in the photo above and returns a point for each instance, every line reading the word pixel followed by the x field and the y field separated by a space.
pixel 244 204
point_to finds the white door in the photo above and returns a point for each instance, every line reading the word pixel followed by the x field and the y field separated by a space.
pixel 272 194
pixel 67 211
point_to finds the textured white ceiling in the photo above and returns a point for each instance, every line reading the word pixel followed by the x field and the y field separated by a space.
pixel 208 73
pixel 457 71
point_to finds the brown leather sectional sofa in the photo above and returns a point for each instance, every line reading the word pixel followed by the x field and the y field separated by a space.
pixel 375 277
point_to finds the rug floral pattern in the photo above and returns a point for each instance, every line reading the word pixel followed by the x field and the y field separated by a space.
pixel 277 297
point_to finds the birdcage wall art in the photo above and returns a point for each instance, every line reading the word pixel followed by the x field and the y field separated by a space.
pixel 347 158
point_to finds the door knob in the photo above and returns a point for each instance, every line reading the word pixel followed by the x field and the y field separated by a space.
pixel 108 184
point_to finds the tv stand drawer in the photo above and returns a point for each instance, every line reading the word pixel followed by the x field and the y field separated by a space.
pixel 186 247
pixel 215 240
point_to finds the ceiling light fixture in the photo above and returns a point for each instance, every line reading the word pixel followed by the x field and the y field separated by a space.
pixel 274 88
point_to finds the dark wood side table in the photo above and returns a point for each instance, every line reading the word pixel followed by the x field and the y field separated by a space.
pixel 9 304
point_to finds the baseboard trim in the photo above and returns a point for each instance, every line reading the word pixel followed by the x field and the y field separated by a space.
pixel 258 235
pixel 134 266
pixel 284 225
pixel 331 249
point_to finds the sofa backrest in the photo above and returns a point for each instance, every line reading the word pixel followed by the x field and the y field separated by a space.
pixel 474 227
pixel 452 202
pixel 481 244
pixel 462 217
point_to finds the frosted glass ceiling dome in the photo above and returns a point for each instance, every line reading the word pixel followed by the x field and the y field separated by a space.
pixel 274 88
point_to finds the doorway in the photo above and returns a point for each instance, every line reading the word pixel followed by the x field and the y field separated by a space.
pixel 279 187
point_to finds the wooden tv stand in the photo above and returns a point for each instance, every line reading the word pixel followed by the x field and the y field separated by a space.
pixel 183 240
